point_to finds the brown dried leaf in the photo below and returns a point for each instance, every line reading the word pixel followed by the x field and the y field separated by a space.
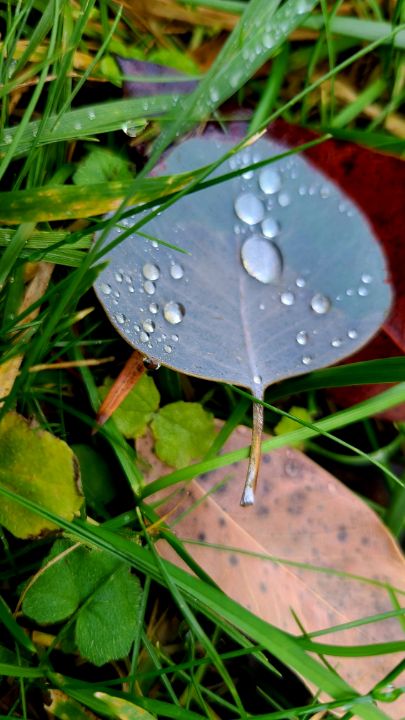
pixel 302 515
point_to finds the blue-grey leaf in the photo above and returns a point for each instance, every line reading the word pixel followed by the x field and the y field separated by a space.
pixel 283 273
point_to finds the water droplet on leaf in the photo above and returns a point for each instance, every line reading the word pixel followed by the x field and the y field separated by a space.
pixel 249 208
pixel 261 259
pixel 151 271
pixel 320 304
pixel 173 312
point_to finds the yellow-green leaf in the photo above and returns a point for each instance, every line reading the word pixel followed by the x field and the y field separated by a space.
pixel 183 431
pixel 40 467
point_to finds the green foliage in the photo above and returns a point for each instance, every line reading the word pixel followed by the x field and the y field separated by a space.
pixel 95 477
pixel 40 467
pixel 183 433
pixel 123 709
pixel 101 165
pixel 288 425
pixel 136 411
pixel 98 589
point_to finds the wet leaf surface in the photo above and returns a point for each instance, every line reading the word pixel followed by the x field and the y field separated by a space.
pixel 307 518
pixel 375 181
pixel 282 273
pixel 40 467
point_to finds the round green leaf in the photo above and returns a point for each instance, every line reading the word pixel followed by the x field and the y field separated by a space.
pixel 183 431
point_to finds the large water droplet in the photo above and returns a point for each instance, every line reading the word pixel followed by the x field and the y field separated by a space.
pixel 257 379
pixel 149 287
pixel 320 304
pixel 120 318
pixel 249 208
pixel 173 312
pixel 148 325
pixel 261 259
pixel 270 181
pixel 143 336
pixel 362 291
pixel 287 298
pixel 301 337
pixel 150 271
pixel 366 278
pixel 154 308
pixel 105 288
pixel 270 227
pixel 176 271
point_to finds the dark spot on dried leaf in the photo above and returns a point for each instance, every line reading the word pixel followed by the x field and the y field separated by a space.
pixel 233 560
pixel 342 533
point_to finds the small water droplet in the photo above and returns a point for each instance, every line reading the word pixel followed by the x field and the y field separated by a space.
pixel 324 191
pixel 120 318
pixel 143 336
pixel 149 287
pixel 302 190
pixel 176 271
pixel 136 327
pixel 257 379
pixel 173 312
pixel 7 139
pixel 337 342
pixel 352 334
pixel 148 325
pixel 350 292
pixel 306 359
pixel 342 207
pixel 167 348
pixel 77 126
pixel 133 127
pixel 262 306
pixel 249 208
pixel 287 298
pixel 131 289
pixel 366 278
pixel 155 244
pixel 154 308
pixel 300 282
pixel 362 291
pixel 105 288
pixel 261 259
pixel 270 181
pixel 91 115
pixel 118 277
pixel 301 337
pixel 284 199
pixel 270 227
pixel 116 294
pixel 320 304
pixel 248 174
pixel 151 271
pixel 214 94
pixel 175 338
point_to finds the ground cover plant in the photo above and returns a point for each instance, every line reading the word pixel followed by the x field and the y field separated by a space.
pixel 132 583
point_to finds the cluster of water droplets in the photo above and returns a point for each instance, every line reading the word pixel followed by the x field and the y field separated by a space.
pixel 262 232
pixel 171 312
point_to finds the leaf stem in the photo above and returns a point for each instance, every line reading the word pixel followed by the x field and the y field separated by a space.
pixel 248 495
